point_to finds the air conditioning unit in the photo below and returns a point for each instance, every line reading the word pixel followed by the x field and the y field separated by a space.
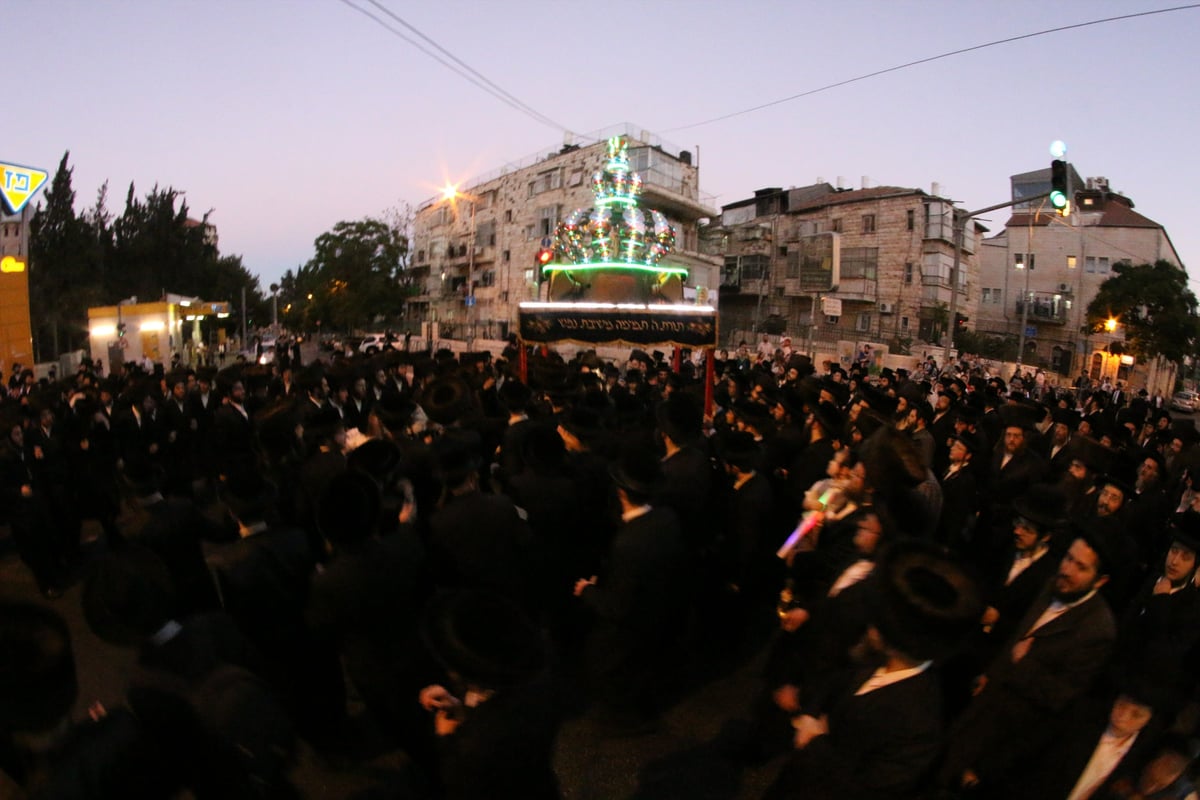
pixel 887 308
pixel 1064 287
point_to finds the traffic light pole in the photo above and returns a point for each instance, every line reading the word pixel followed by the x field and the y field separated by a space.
pixel 960 224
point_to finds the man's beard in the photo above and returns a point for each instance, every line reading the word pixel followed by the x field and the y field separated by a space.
pixel 1066 598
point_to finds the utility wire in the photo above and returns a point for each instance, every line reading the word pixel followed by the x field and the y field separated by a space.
pixel 458 67
pixel 929 59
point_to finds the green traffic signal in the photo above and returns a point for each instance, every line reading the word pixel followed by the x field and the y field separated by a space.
pixel 1058 183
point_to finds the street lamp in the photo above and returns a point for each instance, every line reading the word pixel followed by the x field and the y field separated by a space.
pixel 1110 325
pixel 275 306
pixel 1024 316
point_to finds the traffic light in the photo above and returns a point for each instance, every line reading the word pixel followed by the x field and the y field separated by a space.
pixel 960 321
pixel 120 330
pixel 544 257
pixel 1060 190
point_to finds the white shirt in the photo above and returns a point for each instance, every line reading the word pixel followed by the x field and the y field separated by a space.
pixel 881 678
pixel 1056 610
pixel 1108 753
pixel 634 513
pixel 1022 562
pixel 851 575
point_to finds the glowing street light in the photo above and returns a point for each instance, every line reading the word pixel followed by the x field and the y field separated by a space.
pixel 1110 324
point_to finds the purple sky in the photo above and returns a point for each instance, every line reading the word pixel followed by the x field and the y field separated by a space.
pixel 286 116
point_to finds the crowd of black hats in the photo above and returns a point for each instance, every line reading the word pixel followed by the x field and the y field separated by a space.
pixel 277 537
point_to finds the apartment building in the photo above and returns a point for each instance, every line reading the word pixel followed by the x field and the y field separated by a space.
pixel 1039 274
pixel 896 252
pixel 475 255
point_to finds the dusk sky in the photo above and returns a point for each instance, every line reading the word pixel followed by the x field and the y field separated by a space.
pixel 287 116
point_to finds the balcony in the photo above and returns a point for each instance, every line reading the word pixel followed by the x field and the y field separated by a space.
pixel 1045 309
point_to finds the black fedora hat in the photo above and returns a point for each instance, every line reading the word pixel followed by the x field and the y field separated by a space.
pixel 738 449
pixel 128 596
pixel 378 458
pixel 1185 529
pixel 484 638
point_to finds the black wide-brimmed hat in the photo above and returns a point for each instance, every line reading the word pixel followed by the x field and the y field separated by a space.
pixel 378 458
pixel 679 417
pixel 446 399
pixel 127 596
pixel 637 469
pixel 1185 529
pixel 923 603
pixel 1045 506
pixel 348 510
pixel 484 638
pixel 739 449
pixel 37 673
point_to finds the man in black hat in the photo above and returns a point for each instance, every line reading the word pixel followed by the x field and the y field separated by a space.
pixel 687 469
pixel 476 540
pixel 879 731
pixel 1050 659
pixel 1060 444
pixel 638 599
pixel 1016 581
pixel 495 716
pixel 960 493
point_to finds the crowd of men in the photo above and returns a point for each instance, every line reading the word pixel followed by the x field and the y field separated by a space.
pixel 962 591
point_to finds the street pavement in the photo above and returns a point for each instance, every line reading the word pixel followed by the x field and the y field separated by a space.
pixel 591 764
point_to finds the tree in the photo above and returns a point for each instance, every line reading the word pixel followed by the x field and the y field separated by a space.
pixel 60 283
pixel 1153 306
pixel 353 277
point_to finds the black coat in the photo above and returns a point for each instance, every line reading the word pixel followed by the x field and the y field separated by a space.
pixel 879 744
pixel 1012 716
pixel 638 602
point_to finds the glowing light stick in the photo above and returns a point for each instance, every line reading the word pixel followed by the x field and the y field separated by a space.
pixel 807 523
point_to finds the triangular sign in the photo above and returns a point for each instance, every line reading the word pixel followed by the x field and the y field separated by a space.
pixel 19 184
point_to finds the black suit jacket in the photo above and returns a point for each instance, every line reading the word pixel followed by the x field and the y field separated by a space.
pixel 879 744
pixel 1012 716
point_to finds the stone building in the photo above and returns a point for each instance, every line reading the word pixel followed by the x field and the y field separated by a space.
pixel 896 249
pixel 1039 274
pixel 475 256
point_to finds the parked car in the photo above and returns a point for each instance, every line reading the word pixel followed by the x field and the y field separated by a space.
pixel 375 342
pixel 1185 401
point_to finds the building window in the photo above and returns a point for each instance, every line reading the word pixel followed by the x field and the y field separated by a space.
pixel 1023 260
pixel 1097 265
pixel 831 320
pixel 987 295
pixel 420 256
pixel 863 323
pixel 754 267
pixel 868 222
pixel 547 219
pixel 995 296
pixel 545 181
pixel 488 278
pixel 860 263
pixel 835 225
pixel 485 233
pixel 508 215
pixel 910 219
pixel 908 270
pixel 904 320
pixel 504 256
pixel 1070 262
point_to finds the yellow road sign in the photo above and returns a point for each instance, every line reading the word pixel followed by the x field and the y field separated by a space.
pixel 19 184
